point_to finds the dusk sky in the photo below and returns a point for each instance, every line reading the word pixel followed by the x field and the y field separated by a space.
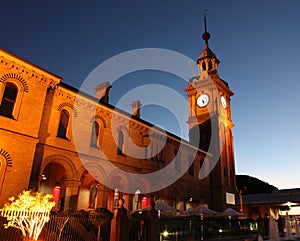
pixel 257 43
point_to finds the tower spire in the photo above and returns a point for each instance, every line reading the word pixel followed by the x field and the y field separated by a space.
pixel 205 35
pixel 207 61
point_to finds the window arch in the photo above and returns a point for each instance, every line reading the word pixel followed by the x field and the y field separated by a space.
pixel 9 99
pixel 5 162
pixel 121 143
pixel 63 127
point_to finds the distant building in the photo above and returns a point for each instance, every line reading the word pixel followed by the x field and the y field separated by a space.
pixel 279 201
pixel 37 111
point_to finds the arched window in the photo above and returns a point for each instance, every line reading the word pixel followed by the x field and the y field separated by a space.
pixel 152 151
pixel 157 154
pixel 177 158
pixel 2 171
pixel 210 65
pixel 121 143
pixel 8 100
pixel 95 135
pixel 146 152
pixel 191 164
pixel 203 65
pixel 93 196
pixel 63 124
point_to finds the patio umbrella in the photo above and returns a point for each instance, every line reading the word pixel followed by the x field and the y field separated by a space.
pixel 160 205
pixel 201 209
pixel 229 212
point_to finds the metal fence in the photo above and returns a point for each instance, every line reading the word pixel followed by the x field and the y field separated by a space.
pixel 83 226
pixel 63 227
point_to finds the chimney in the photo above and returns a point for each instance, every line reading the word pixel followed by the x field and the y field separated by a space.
pixel 102 92
pixel 136 108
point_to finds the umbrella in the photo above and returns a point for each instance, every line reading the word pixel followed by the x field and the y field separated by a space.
pixel 229 212
pixel 201 209
pixel 160 205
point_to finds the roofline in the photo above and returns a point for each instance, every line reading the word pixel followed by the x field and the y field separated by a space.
pixel 27 62
pixel 169 134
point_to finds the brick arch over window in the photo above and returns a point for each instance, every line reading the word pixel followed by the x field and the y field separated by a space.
pixel 5 162
pixel 5 77
pixel 7 157
pixel 12 88
pixel 100 118
pixel 64 104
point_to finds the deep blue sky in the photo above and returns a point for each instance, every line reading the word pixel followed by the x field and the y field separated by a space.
pixel 256 41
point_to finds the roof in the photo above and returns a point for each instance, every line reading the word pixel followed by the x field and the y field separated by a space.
pixel 275 197
pixel 207 53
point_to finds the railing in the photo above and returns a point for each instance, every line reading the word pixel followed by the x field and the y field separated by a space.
pixel 83 226
pixel 61 227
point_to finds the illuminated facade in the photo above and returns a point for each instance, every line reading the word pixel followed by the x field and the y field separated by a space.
pixel 37 148
pixel 210 118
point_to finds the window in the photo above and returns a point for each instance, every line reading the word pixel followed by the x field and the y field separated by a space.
pixel 121 143
pixel 63 124
pixel 152 151
pixel 157 154
pixel 1 173
pixel 210 65
pixel 93 196
pixel 2 170
pixel 203 65
pixel 191 166
pixel 146 152
pixel 177 161
pixel 95 135
pixel 9 99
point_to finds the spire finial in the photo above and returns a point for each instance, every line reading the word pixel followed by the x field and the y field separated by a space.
pixel 205 35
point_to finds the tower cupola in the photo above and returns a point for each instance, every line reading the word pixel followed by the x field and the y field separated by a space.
pixel 207 61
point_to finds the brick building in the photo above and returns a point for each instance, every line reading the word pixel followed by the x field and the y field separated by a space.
pixel 40 115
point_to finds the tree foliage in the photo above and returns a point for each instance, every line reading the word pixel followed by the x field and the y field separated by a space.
pixel 29 212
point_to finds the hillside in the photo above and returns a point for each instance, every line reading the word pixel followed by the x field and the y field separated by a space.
pixel 253 185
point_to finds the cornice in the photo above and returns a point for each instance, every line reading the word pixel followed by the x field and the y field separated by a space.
pixel 28 72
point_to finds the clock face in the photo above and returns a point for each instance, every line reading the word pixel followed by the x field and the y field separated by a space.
pixel 223 102
pixel 203 100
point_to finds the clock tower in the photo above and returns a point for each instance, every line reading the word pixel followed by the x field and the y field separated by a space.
pixel 210 127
